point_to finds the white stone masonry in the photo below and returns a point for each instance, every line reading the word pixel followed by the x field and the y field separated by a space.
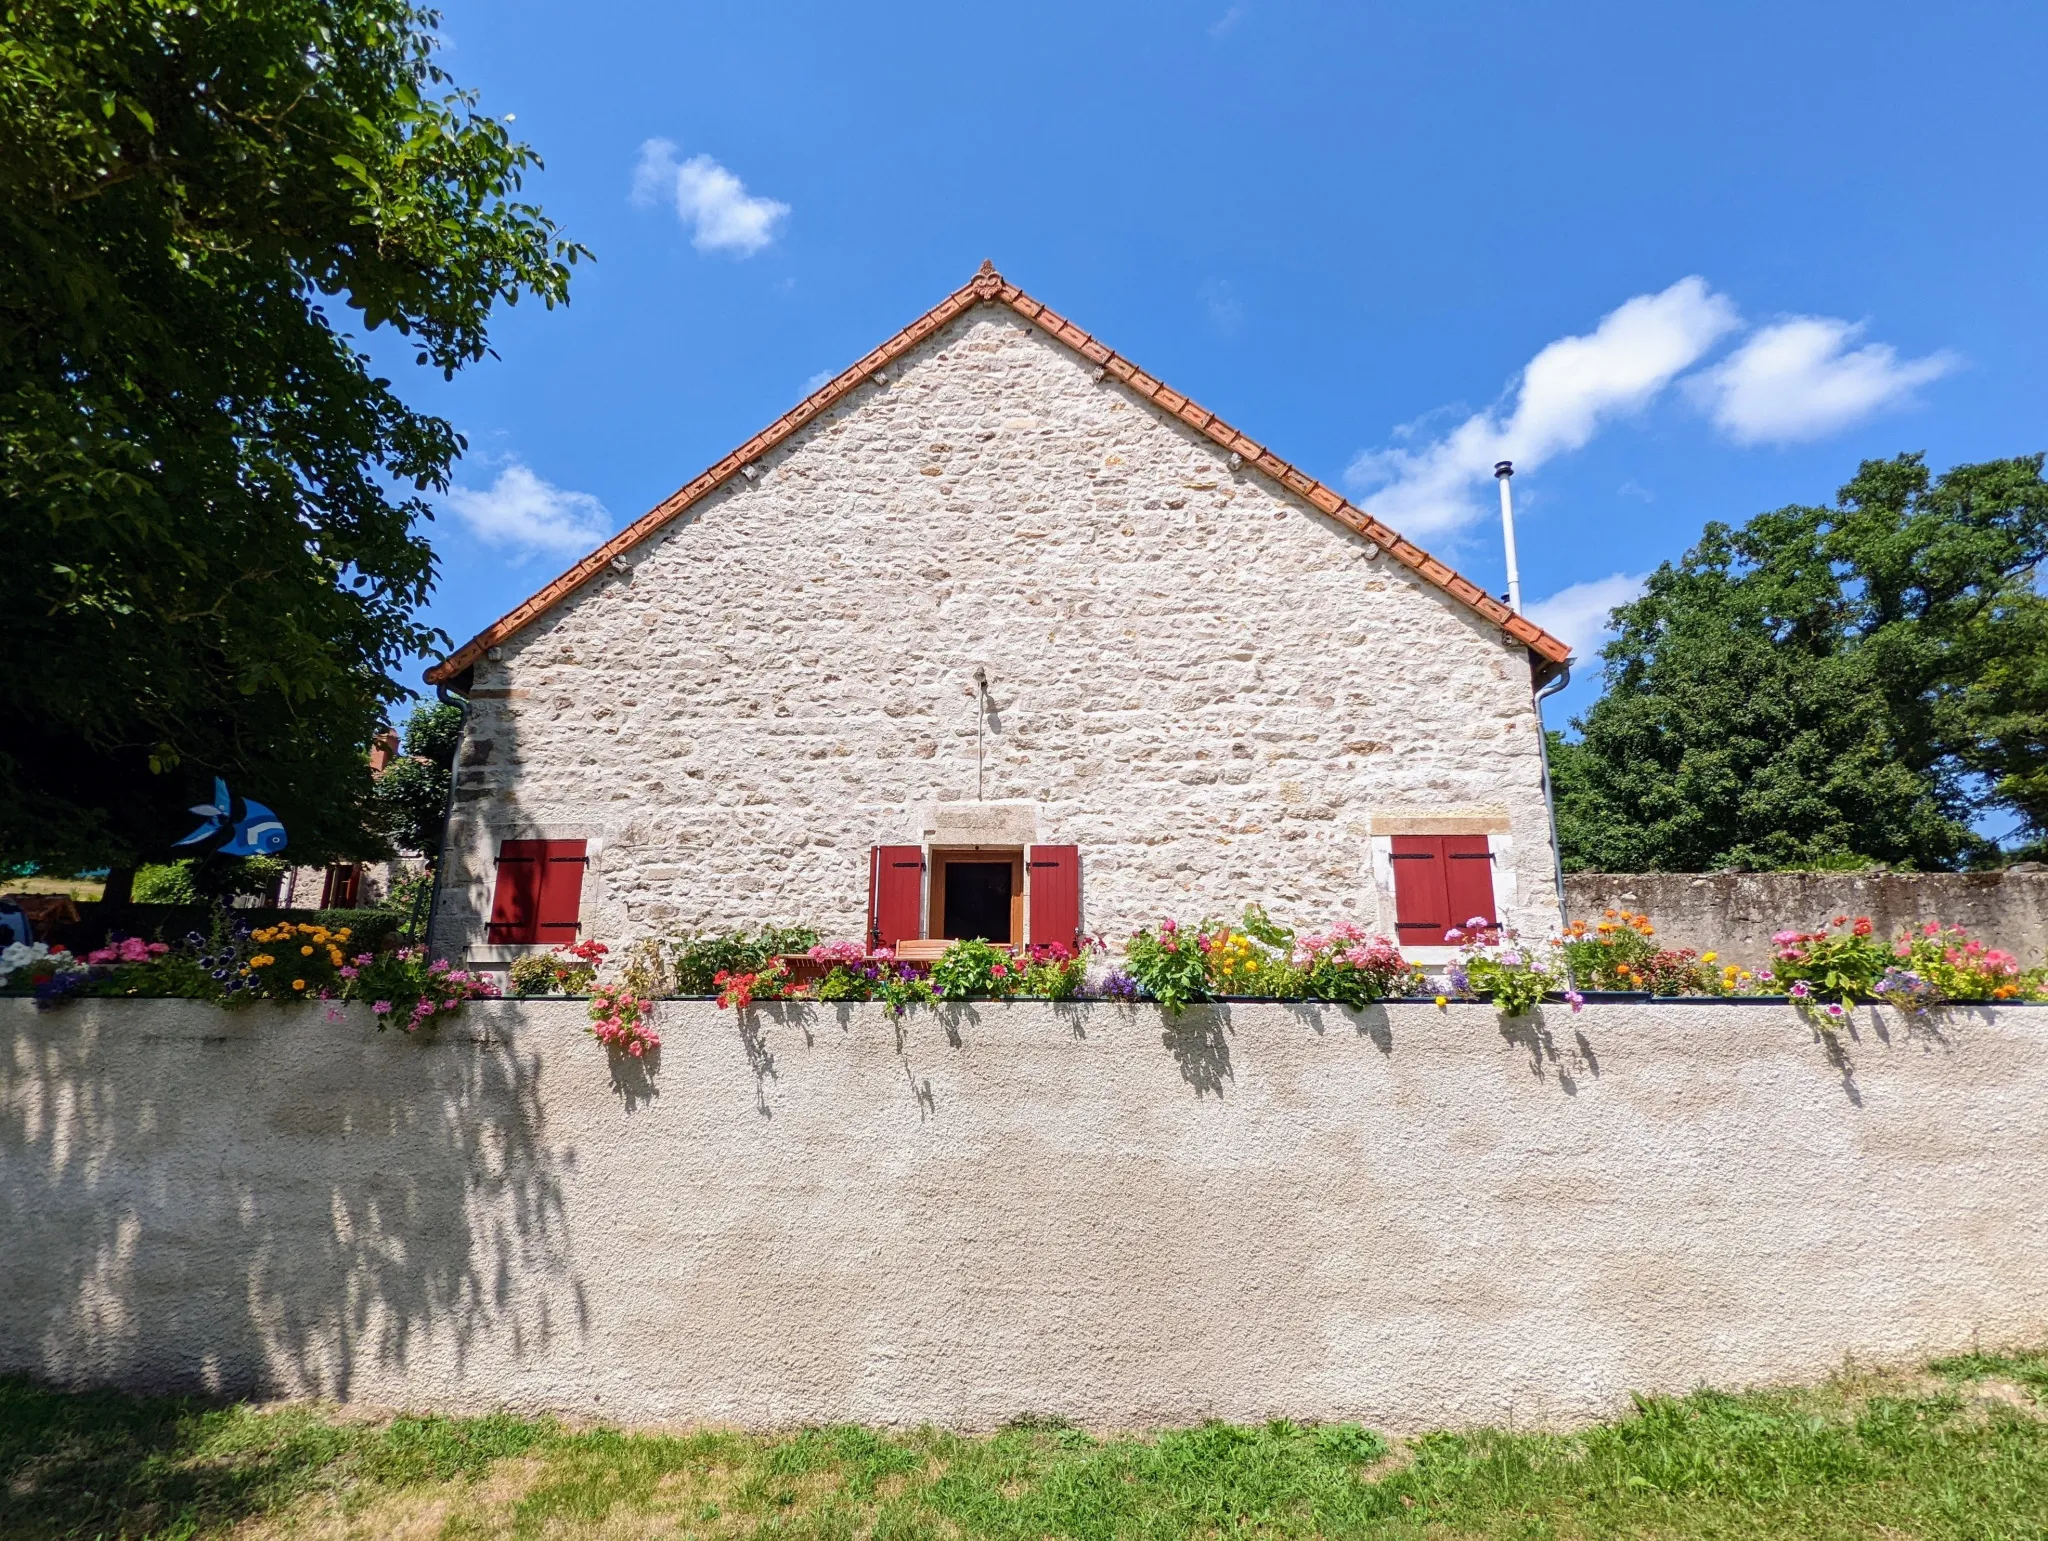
pixel 1217 693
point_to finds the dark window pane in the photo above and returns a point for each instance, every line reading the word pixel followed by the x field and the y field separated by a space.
pixel 978 900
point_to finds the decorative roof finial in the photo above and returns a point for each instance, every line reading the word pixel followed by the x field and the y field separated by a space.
pixel 987 265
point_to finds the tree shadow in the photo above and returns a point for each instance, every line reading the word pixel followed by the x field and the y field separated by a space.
pixel 1532 1033
pixel 1199 1043
pixel 153 1241
pixel 633 1077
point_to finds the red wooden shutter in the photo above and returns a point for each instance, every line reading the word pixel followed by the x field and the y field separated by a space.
pixel 1468 879
pixel 561 891
pixel 515 906
pixel 895 894
pixel 1421 906
pixel 1055 890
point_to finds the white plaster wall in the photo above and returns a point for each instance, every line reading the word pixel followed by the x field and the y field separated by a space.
pixel 1409 1217
pixel 1207 686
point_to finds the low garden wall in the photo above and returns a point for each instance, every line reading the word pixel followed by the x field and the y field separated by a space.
pixel 1735 913
pixel 1408 1215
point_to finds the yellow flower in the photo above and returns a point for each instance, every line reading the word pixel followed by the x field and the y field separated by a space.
pixel 334 956
pixel 342 935
pixel 1441 1001
pixel 261 960
pixel 305 952
pixel 1710 957
pixel 298 984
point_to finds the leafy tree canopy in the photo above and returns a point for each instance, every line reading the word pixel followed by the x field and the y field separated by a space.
pixel 1826 687
pixel 209 495
pixel 412 794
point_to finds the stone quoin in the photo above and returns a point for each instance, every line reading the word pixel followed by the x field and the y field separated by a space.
pixel 992 592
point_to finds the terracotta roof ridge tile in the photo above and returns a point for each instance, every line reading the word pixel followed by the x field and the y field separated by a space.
pixel 990 287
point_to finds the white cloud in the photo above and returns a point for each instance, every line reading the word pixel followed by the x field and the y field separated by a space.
pixel 1578 615
pixel 525 514
pixel 706 196
pixel 1225 24
pixel 817 381
pixel 1219 299
pixel 1566 394
pixel 1797 379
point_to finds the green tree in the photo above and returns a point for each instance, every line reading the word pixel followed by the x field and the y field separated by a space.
pixel 1826 686
pixel 210 495
pixel 412 794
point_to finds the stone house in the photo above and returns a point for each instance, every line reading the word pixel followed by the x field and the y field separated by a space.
pixel 996 634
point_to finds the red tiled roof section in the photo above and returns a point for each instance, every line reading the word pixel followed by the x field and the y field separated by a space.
pixel 989 287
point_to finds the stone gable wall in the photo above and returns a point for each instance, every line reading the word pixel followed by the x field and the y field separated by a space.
pixel 1208 687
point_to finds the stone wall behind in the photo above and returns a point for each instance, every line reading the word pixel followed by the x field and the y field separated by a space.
pixel 1211 689
pixel 1411 1217
pixel 1734 913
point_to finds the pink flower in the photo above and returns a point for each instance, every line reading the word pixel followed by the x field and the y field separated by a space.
pixel 999 971
pixel 382 1008
pixel 1784 938
pixel 348 973
pixel 103 955
pixel 1454 935
pixel 1799 991
pixel 1477 923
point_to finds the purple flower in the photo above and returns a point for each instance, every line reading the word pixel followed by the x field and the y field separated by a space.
pixel 382 1008
pixel 1576 1000
pixel 1835 1010
pixel 1511 959
pixel 1799 991
pixel 1477 923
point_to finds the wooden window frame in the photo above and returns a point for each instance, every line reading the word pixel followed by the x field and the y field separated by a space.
pixel 936 859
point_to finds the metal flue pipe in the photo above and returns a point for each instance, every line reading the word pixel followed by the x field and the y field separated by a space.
pixel 1503 473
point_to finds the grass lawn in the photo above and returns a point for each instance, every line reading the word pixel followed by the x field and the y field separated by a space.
pixel 1959 1450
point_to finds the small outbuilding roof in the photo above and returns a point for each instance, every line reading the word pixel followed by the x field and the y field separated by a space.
pixel 988 287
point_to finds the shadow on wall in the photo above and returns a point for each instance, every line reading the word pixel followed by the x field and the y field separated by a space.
pixel 193 1258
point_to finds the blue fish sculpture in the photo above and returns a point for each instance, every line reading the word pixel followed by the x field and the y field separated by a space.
pixel 234 826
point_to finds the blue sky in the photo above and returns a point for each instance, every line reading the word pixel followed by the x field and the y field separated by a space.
pixel 1787 237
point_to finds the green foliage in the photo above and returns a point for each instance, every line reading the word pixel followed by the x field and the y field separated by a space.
pixel 434 732
pixel 165 883
pixel 1884 1457
pixel 842 983
pixel 411 802
pixel 1050 977
pixel 411 796
pixel 1514 983
pixel 190 881
pixel 1844 964
pixel 533 974
pixel 210 493
pixel 697 959
pixel 1168 965
pixel 1824 686
pixel 411 892
pixel 973 968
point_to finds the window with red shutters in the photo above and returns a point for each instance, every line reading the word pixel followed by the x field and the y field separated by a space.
pixel 561 892
pixel 1440 882
pixel 1468 879
pixel 539 895
pixel 1055 888
pixel 895 894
